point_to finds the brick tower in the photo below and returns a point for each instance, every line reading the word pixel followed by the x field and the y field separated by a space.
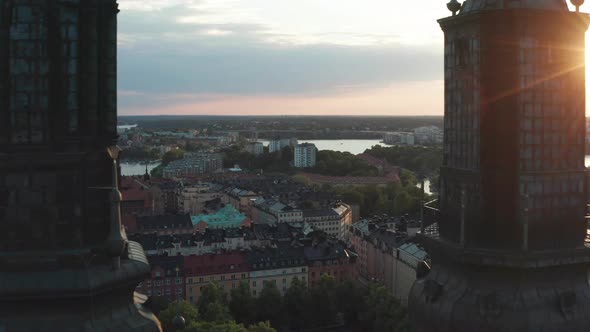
pixel 66 264
pixel 508 245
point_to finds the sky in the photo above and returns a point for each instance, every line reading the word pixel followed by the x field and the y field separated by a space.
pixel 281 57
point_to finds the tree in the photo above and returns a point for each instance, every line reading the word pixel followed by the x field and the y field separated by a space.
pixel 296 303
pixel 242 304
pixel 212 303
pixel 227 327
pixel 172 155
pixel 269 304
pixel 261 327
pixel 383 312
pixel 187 310
pixel 323 304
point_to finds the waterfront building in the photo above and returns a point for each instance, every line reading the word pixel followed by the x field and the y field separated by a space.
pixel 305 155
pixel 508 244
pixel 428 135
pixel 399 138
pixel 277 145
pixel 194 164
pixel 255 148
pixel 67 264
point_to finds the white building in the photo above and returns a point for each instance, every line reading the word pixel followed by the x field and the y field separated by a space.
pixel 305 155
pixel 256 148
pixel 399 138
pixel 334 221
pixel 428 135
pixel 277 145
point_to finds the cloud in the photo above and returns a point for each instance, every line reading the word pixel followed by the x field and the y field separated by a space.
pixel 174 53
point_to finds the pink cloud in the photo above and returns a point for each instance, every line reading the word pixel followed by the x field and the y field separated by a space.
pixel 410 98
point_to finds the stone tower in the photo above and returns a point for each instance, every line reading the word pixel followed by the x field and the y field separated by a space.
pixel 65 262
pixel 508 246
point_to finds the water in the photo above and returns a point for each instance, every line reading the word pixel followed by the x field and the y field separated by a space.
pixel 130 169
pixel 126 127
pixel 354 146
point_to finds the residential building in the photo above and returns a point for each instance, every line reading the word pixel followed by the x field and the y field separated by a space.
pixel 166 278
pixel 167 196
pixel 256 148
pixel 399 138
pixel 387 256
pixel 305 155
pixel 279 265
pixel 167 224
pixel 193 197
pixel 194 164
pixel 333 220
pixel 137 197
pixel 267 211
pixel 242 200
pixel 228 270
pixel 428 135
pixel 330 258
pixel 226 217
pixel 277 144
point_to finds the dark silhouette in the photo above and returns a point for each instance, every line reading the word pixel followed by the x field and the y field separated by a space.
pixel 66 263
pixel 508 249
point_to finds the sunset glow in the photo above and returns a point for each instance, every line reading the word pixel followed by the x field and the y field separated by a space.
pixel 280 57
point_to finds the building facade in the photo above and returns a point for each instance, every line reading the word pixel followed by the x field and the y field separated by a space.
pixel 512 198
pixel 60 201
pixel 225 269
pixel 305 155
pixel 255 148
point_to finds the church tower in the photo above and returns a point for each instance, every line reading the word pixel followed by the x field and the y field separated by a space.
pixel 65 262
pixel 508 245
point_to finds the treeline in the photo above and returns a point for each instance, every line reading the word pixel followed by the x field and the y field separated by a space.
pixel 140 154
pixel 167 158
pixel 330 304
pixel 419 159
pixel 268 162
pixel 336 163
pixel 393 199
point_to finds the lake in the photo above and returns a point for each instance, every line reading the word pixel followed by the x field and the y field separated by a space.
pixel 354 146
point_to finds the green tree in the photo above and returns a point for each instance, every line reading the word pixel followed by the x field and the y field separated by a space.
pixel 261 327
pixel 172 155
pixel 212 303
pixel 187 310
pixel 323 301
pixel 269 304
pixel 242 305
pixel 296 304
pixel 383 312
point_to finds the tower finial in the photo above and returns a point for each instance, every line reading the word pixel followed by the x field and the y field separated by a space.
pixel 454 6
pixel 577 3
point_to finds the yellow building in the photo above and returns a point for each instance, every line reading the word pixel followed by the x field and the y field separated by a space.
pixel 226 269
pixel 280 265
